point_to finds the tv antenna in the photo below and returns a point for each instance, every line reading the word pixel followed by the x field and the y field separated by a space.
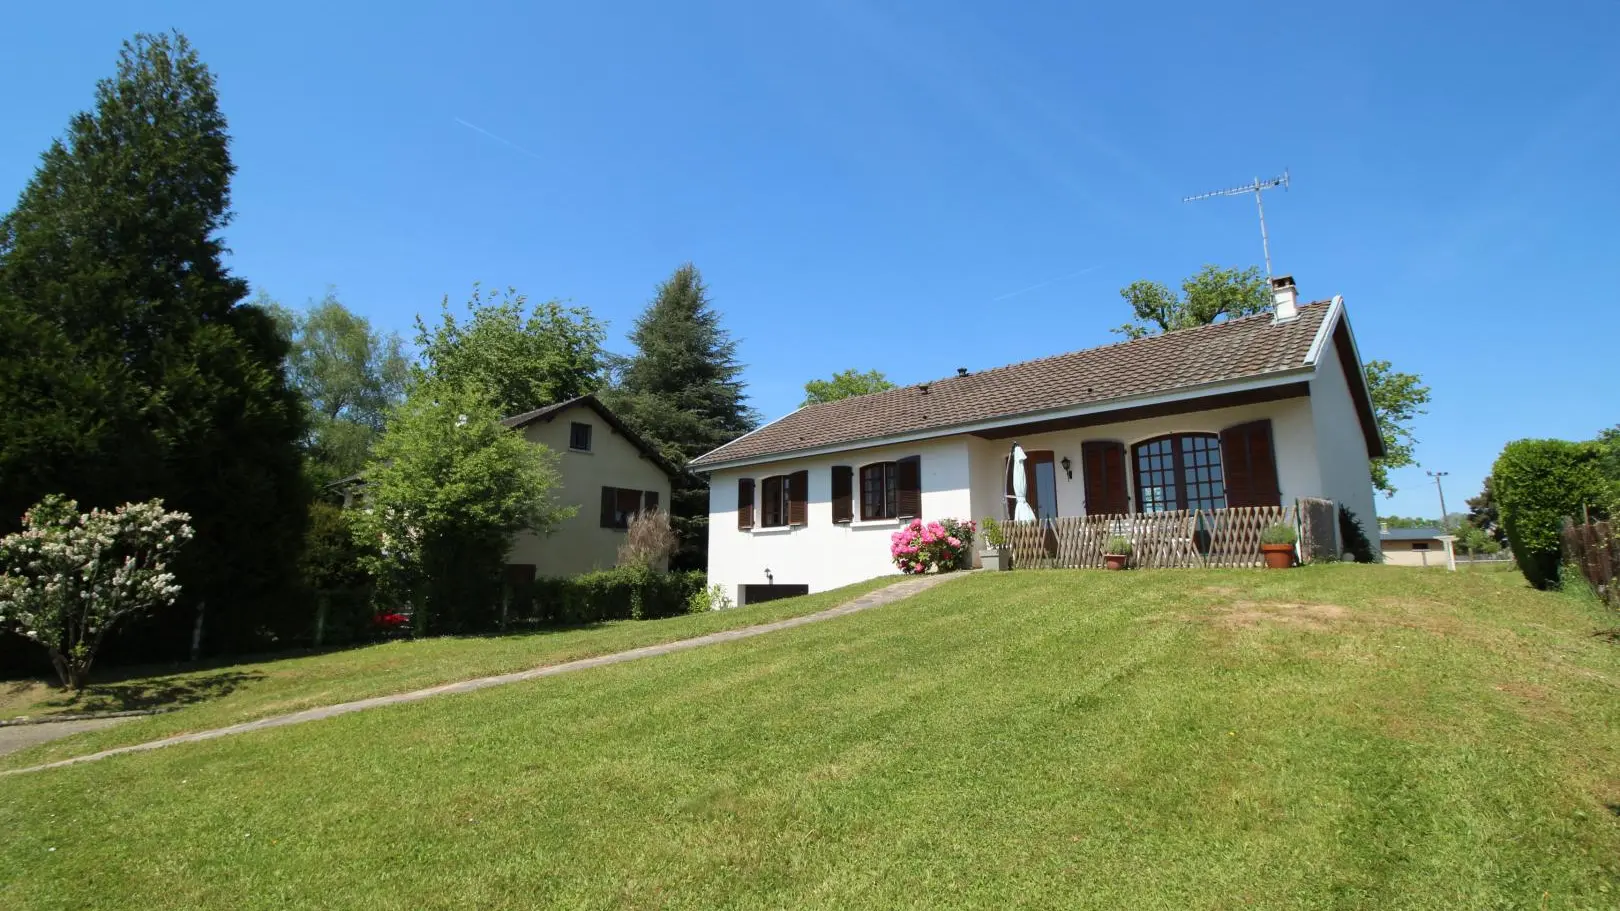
pixel 1258 188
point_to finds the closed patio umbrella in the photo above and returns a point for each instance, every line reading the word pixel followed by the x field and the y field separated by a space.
pixel 1020 485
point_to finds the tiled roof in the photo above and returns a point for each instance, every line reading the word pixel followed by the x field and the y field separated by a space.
pixel 595 404
pixel 1412 534
pixel 1244 348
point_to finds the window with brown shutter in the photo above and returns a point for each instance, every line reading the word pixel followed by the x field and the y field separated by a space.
pixel 610 500
pixel 773 502
pixel 908 483
pixel 745 503
pixel 799 498
pixel 879 491
pixel 649 501
pixel 621 504
pixel 1179 472
pixel 1103 464
pixel 1250 460
pixel 843 482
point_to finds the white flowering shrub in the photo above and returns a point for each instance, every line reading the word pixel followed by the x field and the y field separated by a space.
pixel 69 577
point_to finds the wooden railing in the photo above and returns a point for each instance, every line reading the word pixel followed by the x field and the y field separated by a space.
pixel 1161 540
pixel 1594 548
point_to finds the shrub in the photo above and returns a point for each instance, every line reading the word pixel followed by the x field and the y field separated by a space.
pixel 919 546
pixel 1280 533
pixel 1354 537
pixel 994 536
pixel 1119 545
pixel 68 577
pixel 626 593
pixel 650 542
pixel 337 587
pixel 707 599
pixel 1538 484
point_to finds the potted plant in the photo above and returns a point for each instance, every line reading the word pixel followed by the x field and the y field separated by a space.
pixel 1118 552
pixel 996 556
pixel 1277 544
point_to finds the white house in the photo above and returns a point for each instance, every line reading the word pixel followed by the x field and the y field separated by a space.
pixel 1418 547
pixel 1249 412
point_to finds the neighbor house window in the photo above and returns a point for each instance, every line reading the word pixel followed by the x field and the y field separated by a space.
pixel 579 437
pixel 1182 471
pixel 621 504
pixel 773 501
pixel 879 491
pixel 1420 545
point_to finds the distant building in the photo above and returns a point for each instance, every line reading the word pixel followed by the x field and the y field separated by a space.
pixel 1418 547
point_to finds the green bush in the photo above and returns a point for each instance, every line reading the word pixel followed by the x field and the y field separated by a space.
pixel 709 599
pixel 1279 534
pixel 335 605
pixel 994 536
pixel 1119 545
pixel 1538 484
pixel 626 593
pixel 1354 537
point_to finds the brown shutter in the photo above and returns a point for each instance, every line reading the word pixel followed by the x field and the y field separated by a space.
pixel 649 501
pixel 610 500
pixel 1249 465
pixel 798 498
pixel 843 483
pixel 1103 463
pixel 745 503
pixel 908 485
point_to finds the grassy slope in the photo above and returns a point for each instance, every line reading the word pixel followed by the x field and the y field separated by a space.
pixel 1361 737
pixel 245 692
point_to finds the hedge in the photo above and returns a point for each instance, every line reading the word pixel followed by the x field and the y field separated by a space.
pixel 1538 484
pixel 609 594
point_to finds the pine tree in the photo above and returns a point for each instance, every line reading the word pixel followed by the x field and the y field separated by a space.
pixel 145 374
pixel 682 391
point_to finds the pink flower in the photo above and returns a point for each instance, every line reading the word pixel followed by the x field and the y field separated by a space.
pixel 953 542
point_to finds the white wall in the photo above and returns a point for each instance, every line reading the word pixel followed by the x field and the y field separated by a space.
pixel 1341 446
pixel 1291 429
pixel 820 554
pixel 580 544
pixel 1402 553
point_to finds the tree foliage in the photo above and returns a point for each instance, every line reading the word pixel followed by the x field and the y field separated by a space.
pixel 682 391
pixel 1483 514
pixel 1538 484
pixel 1210 295
pixel 348 376
pixel 845 384
pixel 447 489
pixel 68 578
pixel 1397 399
pixel 522 357
pixel 130 369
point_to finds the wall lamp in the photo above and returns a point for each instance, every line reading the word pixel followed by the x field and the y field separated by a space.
pixel 1068 467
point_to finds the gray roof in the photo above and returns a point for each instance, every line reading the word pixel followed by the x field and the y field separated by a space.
pixel 1413 534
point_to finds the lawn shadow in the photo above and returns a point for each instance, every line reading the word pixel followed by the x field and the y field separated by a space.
pixel 151 692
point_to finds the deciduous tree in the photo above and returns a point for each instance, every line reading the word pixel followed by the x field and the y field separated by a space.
pixel 844 384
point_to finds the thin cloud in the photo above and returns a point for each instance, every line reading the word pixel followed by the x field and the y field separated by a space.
pixel 505 142
pixel 1050 281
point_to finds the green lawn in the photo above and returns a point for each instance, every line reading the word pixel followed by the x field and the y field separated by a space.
pixel 1328 737
pixel 222 696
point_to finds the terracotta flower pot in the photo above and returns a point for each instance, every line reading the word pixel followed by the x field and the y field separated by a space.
pixel 1278 556
pixel 1116 561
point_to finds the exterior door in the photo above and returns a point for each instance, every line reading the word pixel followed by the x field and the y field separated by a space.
pixel 1040 482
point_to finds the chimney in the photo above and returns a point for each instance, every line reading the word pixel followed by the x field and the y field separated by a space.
pixel 1285 297
pixel 961 371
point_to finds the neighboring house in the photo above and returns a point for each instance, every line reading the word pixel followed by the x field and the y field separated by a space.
pixel 607 472
pixel 1418 547
pixel 1248 412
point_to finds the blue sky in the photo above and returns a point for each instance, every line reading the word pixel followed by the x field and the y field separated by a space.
pixel 916 187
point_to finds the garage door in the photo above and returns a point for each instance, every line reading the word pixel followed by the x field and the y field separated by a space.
pixel 758 594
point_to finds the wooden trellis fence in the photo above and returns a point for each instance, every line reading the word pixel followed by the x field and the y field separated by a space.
pixel 1163 540
pixel 1594 548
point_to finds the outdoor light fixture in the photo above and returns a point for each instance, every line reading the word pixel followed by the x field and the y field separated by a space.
pixel 769 579
pixel 1068 467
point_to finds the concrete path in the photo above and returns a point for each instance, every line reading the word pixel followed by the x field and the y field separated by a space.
pixel 15 737
pixel 896 592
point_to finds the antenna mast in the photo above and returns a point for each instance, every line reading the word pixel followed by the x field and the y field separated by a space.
pixel 1258 188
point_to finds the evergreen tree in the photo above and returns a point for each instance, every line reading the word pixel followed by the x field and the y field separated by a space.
pixel 139 372
pixel 682 391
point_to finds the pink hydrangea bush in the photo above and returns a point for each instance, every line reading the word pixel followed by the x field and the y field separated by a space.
pixel 942 545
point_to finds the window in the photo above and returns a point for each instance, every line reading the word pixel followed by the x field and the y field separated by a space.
pixel 1180 472
pixel 579 437
pixel 773 502
pixel 880 491
pixel 1420 545
pixel 621 504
